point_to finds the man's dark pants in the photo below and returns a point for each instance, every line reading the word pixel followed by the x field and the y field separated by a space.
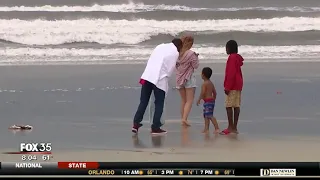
pixel 159 95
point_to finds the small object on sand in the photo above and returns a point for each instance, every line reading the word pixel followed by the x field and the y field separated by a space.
pixel 21 127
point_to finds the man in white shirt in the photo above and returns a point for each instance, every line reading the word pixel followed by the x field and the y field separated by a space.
pixel 155 77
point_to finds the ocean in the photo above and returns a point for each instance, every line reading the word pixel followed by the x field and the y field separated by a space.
pixel 80 105
pixel 37 32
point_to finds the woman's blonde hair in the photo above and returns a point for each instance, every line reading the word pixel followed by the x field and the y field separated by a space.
pixel 187 42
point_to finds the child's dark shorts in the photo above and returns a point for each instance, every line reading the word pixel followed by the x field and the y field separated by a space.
pixel 208 108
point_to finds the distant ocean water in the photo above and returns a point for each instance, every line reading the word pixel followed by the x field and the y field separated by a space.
pixel 97 31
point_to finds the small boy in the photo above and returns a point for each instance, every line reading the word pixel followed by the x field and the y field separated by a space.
pixel 208 95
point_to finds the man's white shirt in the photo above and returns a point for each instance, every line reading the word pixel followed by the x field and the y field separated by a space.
pixel 160 66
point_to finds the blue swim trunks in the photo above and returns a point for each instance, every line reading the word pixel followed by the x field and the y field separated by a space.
pixel 208 108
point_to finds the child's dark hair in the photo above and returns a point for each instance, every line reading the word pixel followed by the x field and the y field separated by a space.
pixel 207 72
pixel 232 47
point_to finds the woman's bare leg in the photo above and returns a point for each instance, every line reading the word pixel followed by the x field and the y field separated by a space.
pixel 189 101
pixel 183 96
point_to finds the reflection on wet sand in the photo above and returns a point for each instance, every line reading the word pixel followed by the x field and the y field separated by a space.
pixel 210 137
pixel 207 137
pixel 20 132
pixel 185 141
pixel 233 137
pixel 136 142
pixel 185 138
pixel 157 141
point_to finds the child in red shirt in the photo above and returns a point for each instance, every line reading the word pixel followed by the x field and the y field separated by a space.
pixel 233 84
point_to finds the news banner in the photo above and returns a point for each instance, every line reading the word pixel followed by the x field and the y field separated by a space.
pixel 160 168
pixel 36 156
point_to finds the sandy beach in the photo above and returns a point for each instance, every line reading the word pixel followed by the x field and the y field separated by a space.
pixel 225 150
pixel 86 113
pixel 221 149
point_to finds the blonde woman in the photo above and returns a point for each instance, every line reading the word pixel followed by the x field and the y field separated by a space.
pixel 187 63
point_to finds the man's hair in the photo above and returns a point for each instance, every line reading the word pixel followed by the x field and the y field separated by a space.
pixel 207 72
pixel 178 43
pixel 232 47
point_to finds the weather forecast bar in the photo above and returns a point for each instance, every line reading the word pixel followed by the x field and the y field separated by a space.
pixel 161 168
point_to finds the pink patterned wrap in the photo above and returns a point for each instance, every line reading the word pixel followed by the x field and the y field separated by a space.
pixel 185 67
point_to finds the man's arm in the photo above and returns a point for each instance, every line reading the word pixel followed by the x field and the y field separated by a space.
pixel 202 93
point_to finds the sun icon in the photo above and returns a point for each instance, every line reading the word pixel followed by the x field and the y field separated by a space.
pixel 141 172
pixel 216 172
pixel 180 172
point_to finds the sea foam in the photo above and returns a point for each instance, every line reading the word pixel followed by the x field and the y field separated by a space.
pixel 140 54
pixel 105 31
pixel 140 7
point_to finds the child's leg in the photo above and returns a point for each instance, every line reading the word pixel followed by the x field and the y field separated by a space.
pixel 237 102
pixel 230 118
pixel 236 119
pixel 215 124
pixel 229 101
pixel 206 125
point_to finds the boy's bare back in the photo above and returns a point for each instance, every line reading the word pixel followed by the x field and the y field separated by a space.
pixel 209 90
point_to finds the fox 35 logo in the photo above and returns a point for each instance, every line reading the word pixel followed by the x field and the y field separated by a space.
pixel 35 147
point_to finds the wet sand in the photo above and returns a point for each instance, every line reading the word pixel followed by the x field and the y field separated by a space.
pixel 232 148
pixel 88 110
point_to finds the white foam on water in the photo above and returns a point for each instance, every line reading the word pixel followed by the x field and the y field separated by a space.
pixel 130 7
pixel 63 101
pixel 140 7
pixel 11 90
pixel 297 80
pixel 138 55
pixel 286 118
pixel 105 31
